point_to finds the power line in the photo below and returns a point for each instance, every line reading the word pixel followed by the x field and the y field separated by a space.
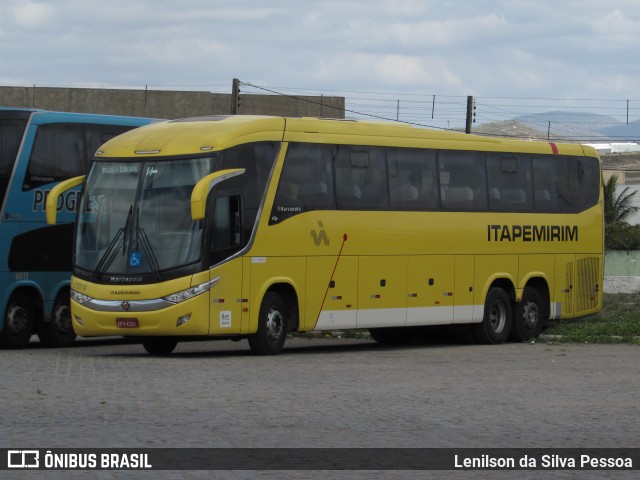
pixel 436 111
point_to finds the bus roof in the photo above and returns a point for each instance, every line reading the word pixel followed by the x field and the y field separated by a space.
pixel 45 116
pixel 195 136
pixel 16 113
pixel 39 116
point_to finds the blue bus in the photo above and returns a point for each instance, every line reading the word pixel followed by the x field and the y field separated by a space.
pixel 37 150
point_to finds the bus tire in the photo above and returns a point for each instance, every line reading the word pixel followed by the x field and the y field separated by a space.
pixel 528 321
pixel 272 326
pixel 159 345
pixel 496 322
pixel 59 331
pixel 18 321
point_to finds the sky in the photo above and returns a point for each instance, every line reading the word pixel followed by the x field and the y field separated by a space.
pixel 558 49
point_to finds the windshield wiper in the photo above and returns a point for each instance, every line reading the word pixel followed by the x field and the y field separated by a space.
pixel 111 251
pixel 141 237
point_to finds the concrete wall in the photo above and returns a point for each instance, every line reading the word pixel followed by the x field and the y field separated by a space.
pixel 166 104
pixel 622 271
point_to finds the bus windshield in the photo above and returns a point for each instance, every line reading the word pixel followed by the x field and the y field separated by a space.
pixel 135 217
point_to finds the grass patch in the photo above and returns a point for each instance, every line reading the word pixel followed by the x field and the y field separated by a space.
pixel 618 322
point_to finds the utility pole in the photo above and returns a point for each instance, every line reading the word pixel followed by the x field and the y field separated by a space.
pixel 469 114
pixel 235 96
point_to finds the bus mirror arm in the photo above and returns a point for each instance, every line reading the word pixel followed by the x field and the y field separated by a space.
pixel 51 205
pixel 204 186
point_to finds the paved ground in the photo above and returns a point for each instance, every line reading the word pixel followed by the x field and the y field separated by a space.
pixel 321 393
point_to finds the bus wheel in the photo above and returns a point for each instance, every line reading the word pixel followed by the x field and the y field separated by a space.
pixel 160 345
pixel 18 322
pixel 528 320
pixel 496 322
pixel 59 331
pixel 272 326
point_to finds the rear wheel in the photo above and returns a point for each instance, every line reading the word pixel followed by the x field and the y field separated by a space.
pixel 496 322
pixel 529 317
pixel 18 322
pixel 58 332
pixel 272 326
pixel 159 345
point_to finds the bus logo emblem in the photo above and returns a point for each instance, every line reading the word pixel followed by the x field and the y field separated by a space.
pixel 320 237
pixel 126 306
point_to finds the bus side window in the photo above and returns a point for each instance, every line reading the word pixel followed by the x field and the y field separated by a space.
pixel 65 150
pixel 361 178
pixel 11 132
pixel 58 152
pixel 306 182
pixel 584 180
pixel 551 186
pixel 463 182
pixel 510 183
pixel 226 232
pixel 413 179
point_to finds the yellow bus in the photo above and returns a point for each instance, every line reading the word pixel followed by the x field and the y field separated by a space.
pixel 253 227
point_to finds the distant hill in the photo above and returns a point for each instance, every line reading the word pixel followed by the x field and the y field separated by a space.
pixel 582 126
pixel 623 132
pixel 564 127
pixel 512 128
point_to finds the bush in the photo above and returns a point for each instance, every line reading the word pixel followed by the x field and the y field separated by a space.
pixel 620 236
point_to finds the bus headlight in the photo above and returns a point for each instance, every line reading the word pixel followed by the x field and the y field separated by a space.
pixel 191 292
pixel 79 297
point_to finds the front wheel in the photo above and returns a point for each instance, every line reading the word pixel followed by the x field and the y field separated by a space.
pixel 58 332
pixel 159 345
pixel 496 322
pixel 18 322
pixel 272 326
pixel 529 317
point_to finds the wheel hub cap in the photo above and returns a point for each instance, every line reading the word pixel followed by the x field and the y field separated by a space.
pixel 275 325
pixel 530 315
pixel 497 317
pixel 17 319
pixel 62 319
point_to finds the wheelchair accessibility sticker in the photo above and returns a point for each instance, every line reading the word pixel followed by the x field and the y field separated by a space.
pixel 135 259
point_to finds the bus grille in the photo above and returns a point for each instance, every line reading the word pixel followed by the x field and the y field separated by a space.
pixel 587 284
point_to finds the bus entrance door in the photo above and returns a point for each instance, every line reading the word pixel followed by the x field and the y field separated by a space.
pixel 226 299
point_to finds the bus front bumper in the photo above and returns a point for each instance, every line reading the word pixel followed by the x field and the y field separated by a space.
pixel 186 318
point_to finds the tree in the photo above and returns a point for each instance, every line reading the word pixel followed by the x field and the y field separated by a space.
pixel 617 208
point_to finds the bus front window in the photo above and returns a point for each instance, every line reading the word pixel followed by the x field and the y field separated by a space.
pixel 135 217
pixel 106 209
pixel 164 215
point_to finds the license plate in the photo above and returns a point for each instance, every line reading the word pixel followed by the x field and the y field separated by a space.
pixel 127 322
